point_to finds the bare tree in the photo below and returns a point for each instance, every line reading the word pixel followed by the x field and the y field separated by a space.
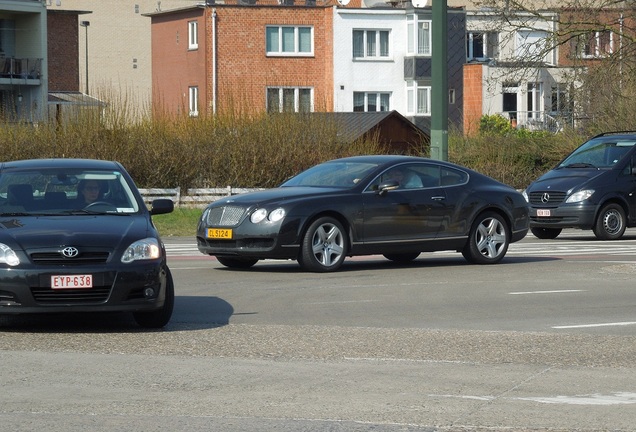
pixel 594 39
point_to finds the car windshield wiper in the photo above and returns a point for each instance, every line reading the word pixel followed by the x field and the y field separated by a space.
pixel 80 212
pixel 579 165
pixel 88 212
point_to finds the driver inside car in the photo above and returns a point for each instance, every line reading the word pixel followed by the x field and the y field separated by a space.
pixel 406 178
pixel 89 191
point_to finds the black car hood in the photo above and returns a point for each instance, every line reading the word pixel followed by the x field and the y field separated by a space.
pixel 564 179
pixel 26 232
pixel 278 194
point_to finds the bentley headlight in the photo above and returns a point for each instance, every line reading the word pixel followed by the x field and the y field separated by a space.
pixel 258 216
pixel 145 249
pixel 8 256
pixel 204 216
pixel 580 196
pixel 277 214
pixel 273 216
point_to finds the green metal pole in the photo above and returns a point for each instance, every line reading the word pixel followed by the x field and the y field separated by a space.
pixel 439 78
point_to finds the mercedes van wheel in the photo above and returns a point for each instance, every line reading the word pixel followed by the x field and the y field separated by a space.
pixel 610 223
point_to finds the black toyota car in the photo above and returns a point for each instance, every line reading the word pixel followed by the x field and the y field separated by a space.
pixel 592 188
pixel 76 236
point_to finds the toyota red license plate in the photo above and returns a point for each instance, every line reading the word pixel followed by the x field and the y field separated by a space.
pixel 71 281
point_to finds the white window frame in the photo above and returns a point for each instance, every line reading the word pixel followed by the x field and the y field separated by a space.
pixel 591 47
pixel 375 98
pixel 372 36
pixel 531 43
pixel 281 101
pixel 279 32
pixel 418 99
pixel 419 42
pixel 559 99
pixel 193 35
pixel 488 42
pixel 193 101
pixel 535 100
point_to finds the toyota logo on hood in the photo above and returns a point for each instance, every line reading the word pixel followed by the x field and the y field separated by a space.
pixel 70 252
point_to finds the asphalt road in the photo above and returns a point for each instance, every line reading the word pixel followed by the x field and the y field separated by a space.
pixel 544 341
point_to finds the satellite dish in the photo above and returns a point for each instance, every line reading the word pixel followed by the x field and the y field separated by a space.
pixel 419 3
pixel 343 2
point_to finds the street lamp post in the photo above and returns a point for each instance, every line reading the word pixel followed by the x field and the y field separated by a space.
pixel 85 24
pixel 439 79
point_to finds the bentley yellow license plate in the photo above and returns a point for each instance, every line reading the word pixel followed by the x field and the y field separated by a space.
pixel 217 233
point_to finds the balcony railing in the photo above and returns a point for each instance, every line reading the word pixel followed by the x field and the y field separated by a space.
pixel 537 120
pixel 22 68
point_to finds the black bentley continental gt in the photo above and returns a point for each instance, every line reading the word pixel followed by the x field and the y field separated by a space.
pixel 397 206
pixel 76 236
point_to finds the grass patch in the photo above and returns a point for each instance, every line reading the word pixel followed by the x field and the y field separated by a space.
pixel 182 222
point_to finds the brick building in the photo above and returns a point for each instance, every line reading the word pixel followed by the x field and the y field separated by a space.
pixel 273 56
pixel 210 59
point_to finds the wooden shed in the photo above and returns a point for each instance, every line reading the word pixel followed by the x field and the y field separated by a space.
pixel 393 130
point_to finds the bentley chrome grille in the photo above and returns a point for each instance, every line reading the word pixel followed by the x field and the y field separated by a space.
pixel 225 216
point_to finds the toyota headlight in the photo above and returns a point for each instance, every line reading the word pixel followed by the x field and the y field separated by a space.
pixel 145 249
pixel 8 256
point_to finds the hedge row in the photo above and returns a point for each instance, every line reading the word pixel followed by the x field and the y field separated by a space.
pixel 258 152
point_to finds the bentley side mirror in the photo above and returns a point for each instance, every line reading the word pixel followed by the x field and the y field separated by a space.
pixel 388 186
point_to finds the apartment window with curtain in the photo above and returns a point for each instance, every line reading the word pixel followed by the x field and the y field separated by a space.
pixel 370 101
pixel 370 44
pixel 418 99
pixel 289 99
pixel 193 35
pixel 419 35
pixel 193 101
pixel 289 40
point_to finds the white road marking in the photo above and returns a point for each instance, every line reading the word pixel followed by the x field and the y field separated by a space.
pixel 618 398
pixel 627 323
pixel 553 248
pixel 545 292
